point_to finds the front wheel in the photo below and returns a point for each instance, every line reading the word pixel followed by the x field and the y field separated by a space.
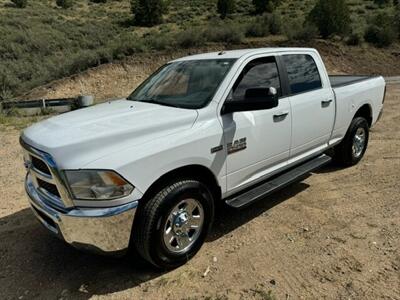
pixel 353 146
pixel 173 225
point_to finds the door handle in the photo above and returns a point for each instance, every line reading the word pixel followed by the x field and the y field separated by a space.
pixel 281 114
pixel 326 102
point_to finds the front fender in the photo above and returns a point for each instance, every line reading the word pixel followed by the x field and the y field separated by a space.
pixel 142 165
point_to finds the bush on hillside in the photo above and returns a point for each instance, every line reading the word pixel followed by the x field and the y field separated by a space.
pixel 225 7
pixel 190 38
pixel 64 3
pixel 275 23
pixel 148 12
pixel 331 17
pixel 397 19
pixel 354 39
pixel 382 2
pixel 262 6
pixel 300 31
pixel 224 33
pixel 20 3
pixel 5 87
pixel 380 31
pixel 264 25
pixel 257 28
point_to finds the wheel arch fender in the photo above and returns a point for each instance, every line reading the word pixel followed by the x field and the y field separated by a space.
pixel 365 111
pixel 193 171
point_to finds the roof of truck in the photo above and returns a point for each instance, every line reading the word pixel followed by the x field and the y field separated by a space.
pixel 235 54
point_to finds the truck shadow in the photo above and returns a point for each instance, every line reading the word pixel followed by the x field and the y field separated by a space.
pixel 228 219
pixel 329 168
pixel 35 264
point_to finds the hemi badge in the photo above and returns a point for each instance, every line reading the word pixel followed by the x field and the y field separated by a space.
pixel 237 145
pixel 216 149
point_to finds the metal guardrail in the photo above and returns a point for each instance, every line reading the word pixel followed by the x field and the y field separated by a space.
pixel 42 103
pixel 34 107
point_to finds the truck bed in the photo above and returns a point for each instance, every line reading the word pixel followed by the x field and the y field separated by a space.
pixel 353 92
pixel 342 80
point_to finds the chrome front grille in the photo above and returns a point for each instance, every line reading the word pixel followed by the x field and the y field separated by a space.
pixel 46 177
pixel 40 165
pixel 49 187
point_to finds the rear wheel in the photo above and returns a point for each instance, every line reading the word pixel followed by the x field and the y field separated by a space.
pixel 173 225
pixel 352 148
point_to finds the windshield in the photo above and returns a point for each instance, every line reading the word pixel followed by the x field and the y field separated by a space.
pixel 185 84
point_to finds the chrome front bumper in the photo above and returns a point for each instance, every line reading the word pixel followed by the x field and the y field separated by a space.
pixel 102 230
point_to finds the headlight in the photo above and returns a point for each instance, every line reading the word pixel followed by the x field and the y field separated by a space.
pixel 97 185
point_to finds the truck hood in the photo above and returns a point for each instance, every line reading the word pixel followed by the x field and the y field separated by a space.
pixel 77 138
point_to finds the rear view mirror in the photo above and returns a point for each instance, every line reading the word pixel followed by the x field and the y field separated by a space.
pixel 254 99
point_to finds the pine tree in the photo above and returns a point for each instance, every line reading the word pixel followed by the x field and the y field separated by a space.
pixel 225 7
pixel 148 12
pixel 331 17
pixel 20 3
pixel 64 3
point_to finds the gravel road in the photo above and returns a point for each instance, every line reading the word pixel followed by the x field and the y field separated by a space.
pixel 335 235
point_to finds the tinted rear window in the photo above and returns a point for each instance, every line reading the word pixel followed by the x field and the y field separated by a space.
pixel 302 72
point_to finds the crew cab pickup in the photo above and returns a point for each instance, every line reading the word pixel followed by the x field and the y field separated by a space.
pixel 148 171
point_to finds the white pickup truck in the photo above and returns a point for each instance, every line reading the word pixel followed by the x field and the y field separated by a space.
pixel 147 171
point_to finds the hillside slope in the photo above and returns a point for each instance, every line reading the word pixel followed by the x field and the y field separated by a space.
pixel 42 42
pixel 116 80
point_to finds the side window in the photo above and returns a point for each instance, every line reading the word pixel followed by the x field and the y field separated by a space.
pixel 302 72
pixel 259 73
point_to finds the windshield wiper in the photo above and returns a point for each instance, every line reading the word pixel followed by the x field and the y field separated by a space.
pixel 154 101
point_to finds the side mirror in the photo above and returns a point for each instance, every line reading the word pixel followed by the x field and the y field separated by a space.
pixel 254 99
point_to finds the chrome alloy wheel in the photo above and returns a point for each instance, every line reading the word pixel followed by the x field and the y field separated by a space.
pixel 183 226
pixel 359 142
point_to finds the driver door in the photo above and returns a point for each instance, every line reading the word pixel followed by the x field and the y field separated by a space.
pixel 258 142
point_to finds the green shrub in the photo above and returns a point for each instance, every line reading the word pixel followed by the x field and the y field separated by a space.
pixel 158 41
pixel 262 6
pixel 190 38
pixel 382 2
pixel 64 3
pixel 300 31
pixel 275 23
pixel 20 3
pixel 225 33
pixel 5 87
pixel 225 7
pixel 256 30
pixel 380 31
pixel 354 39
pixel 264 25
pixel 148 12
pixel 397 19
pixel 331 17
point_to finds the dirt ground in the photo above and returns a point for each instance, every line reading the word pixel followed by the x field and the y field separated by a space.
pixel 335 235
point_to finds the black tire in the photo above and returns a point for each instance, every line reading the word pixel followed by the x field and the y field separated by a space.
pixel 344 154
pixel 148 230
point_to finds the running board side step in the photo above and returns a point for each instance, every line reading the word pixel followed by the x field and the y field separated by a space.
pixel 279 182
